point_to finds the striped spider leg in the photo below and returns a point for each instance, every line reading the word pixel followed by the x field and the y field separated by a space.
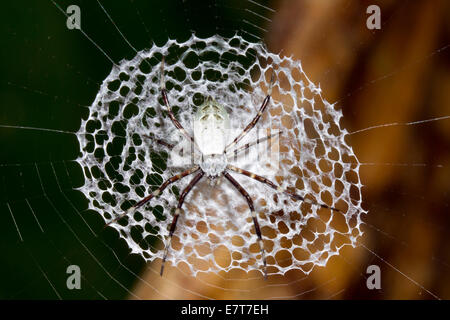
pixel 178 210
pixel 254 217
pixel 169 109
pixel 247 146
pixel 251 205
pixel 255 120
pixel 271 184
pixel 160 141
pixel 155 193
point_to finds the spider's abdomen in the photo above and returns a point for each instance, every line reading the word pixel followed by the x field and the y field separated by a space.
pixel 211 125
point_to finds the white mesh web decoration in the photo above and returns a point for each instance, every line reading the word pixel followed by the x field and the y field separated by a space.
pixel 123 162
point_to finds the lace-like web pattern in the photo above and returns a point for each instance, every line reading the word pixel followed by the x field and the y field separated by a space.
pixel 122 163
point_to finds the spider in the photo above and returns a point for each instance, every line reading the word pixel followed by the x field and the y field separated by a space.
pixel 210 125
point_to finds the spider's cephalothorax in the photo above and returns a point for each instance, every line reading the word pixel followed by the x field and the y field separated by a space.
pixel 211 127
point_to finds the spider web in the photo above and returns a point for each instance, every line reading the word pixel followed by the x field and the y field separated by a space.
pixel 46 221
pixel 122 165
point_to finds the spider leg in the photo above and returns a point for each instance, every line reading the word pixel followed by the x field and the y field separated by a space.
pixel 178 210
pixel 279 189
pixel 255 219
pixel 155 193
pixel 263 107
pixel 248 145
pixel 159 141
pixel 169 109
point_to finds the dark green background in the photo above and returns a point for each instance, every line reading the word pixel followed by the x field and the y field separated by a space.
pixel 49 75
